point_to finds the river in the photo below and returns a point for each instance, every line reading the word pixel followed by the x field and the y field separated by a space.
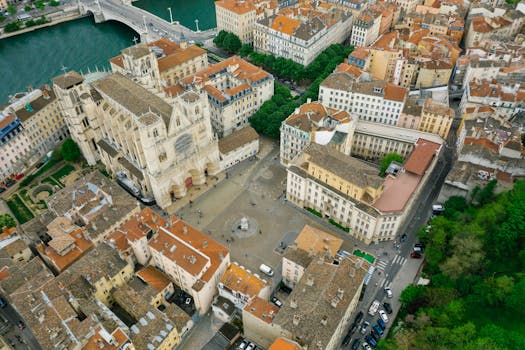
pixel 34 58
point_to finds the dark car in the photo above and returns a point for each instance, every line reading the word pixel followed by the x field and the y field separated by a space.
pixel 381 324
pixel 359 317
pixel 415 255
pixel 371 341
pixel 10 183
pixel 403 237
pixel 353 328
pixel 3 303
pixel 378 330
pixel 346 339
pixel 388 308
pixel 374 335
pixel 39 165
pixel 2 189
pixel 21 325
pixel 286 289
pixel 355 344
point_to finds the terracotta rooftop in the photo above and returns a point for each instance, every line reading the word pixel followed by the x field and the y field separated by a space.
pixel 178 57
pixel 238 6
pixel 99 340
pixel 283 344
pixel 154 277
pixel 7 120
pixel 117 60
pixel 262 309
pixel 316 242
pixel 396 192
pixel 420 158
pixel 238 279
pixel 63 259
pixel 285 24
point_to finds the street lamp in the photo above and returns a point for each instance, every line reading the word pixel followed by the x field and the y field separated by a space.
pixel 171 15
pixel 197 25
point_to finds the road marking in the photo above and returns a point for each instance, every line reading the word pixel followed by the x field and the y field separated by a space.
pixel 395 259
pixel 382 283
pixel 388 285
pixel 381 265
pixel 402 261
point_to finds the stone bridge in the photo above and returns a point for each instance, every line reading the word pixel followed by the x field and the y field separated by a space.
pixel 147 25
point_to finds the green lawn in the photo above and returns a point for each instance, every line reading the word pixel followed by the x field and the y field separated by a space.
pixel 64 171
pixel 52 182
pixel 19 209
pixel 365 256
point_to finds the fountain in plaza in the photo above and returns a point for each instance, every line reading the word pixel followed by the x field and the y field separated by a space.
pixel 244 224
pixel 244 227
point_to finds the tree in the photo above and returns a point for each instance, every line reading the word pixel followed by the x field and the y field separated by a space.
pixel 232 43
pixel 11 9
pixel 219 38
pixel 487 193
pixel 245 50
pixel 70 151
pixel 2 18
pixel 454 206
pixel 12 26
pixel 466 257
pixel 514 301
pixel 27 8
pixel 386 160
pixel 6 220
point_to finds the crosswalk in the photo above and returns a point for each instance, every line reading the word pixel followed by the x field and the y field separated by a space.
pixel 401 260
pixel 380 265
pixel 385 283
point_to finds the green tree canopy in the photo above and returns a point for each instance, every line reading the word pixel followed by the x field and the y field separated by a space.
pixel 386 160
pixel 70 150
pixel 6 220
pixel 11 9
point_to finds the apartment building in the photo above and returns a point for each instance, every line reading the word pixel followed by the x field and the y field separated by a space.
pixel 366 28
pixel 314 122
pixel 310 244
pixel 317 312
pixel 407 6
pixel 504 96
pixel 349 191
pixel 31 125
pixel 373 100
pixel 153 328
pixel 257 320
pixel 236 90
pixel 238 146
pixel 482 27
pixel 302 31
pixel 14 251
pixel 241 286
pixel 191 259
pixel 239 16
pixel 436 118
pixel 148 142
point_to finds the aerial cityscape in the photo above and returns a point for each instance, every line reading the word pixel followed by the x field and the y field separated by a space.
pixel 262 174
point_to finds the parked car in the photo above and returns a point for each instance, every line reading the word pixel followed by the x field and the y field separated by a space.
pixel 242 345
pixel 374 335
pixel 420 245
pixel 251 346
pixel 353 328
pixel 373 308
pixel 286 289
pixel 383 315
pixel 3 303
pixel 277 302
pixel 355 344
pixel 39 165
pixel 378 330
pixel 403 237
pixel 346 339
pixel 389 293
pixel 2 189
pixel 371 341
pixel 10 183
pixel 21 325
pixel 366 346
pixel 187 301
pixel 415 255
pixel 381 324
pixel 359 317
pixel 388 308
pixel 365 327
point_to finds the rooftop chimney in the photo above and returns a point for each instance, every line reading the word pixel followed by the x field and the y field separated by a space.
pixel 309 281
pixel 293 303
pixel 334 302
pixel 185 229
pixel 296 319
pixel 324 320
pixel 204 243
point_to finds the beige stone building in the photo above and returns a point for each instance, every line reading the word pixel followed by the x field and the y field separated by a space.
pixel 238 146
pixel 174 61
pixel 302 31
pixel 483 26
pixel 3 5
pixel 436 118
pixel 314 122
pixel 239 16
pixel 193 260
pixel 310 244
pixel 148 142
pixel 32 124
pixel 351 193
pixel 14 250
pixel 236 89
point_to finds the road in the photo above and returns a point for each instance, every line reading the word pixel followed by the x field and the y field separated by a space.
pixel 12 316
pixel 146 22
pixel 394 264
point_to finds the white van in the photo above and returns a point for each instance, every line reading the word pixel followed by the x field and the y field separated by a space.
pixel 266 269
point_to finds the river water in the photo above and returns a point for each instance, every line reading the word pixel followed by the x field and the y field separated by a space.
pixel 34 58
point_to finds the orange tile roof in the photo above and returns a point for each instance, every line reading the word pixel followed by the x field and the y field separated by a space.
pixel 237 89
pixel 354 71
pixel 419 160
pixel 174 90
pixel 316 241
pixel 178 57
pixel 155 278
pixel 397 192
pixel 61 262
pixel 239 7
pixel 483 142
pixel 285 24
pixel 166 45
pixel 395 93
pixel 262 309
pixel 7 232
pixel 193 249
pixel 4 273
pixel 6 121
pixel 283 344
pixel 97 342
pixel 117 60
pixel 238 279
pixel 243 71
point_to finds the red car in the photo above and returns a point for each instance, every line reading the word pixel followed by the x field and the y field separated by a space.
pixel 415 255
